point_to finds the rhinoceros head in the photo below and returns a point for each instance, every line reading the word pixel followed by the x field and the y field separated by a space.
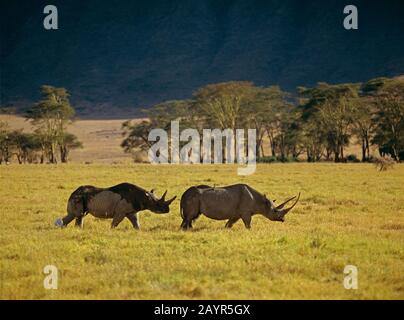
pixel 277 213
pixel 159 205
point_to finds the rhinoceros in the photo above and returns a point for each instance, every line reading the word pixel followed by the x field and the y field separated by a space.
pixel 231 203
pixel 116 203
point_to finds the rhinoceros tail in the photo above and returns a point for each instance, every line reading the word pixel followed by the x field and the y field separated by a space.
pixel 182 207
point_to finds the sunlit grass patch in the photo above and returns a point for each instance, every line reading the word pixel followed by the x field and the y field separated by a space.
pixel 348 214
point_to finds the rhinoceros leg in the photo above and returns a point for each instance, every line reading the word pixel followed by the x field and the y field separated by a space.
pixel 79 222
pixel 231 221
pixel 247 221
pixel 75 209
pixel 189 214
pixel 69 218
pixel 117 219
pixel 134 219
pixel 186 224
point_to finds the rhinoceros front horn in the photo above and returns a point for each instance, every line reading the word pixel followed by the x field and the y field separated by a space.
pixel 168 202
pixel 285 211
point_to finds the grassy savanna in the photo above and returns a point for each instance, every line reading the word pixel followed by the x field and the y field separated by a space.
pixel 348 214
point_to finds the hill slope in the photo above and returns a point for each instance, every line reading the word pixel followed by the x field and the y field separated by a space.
pixel 115 57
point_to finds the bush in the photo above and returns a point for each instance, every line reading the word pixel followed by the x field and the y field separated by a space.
pixel 287 159
pixel 267 159
pixel 270 159
pixel 352 158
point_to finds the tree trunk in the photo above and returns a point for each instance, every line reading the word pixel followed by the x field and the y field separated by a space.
pixel 272 144
pixel 342 153
pixel 63 154
pixel 394 153
pixel 363 150
pixel 367 148
pixel 52 154
pixel 258 148
pixel 328 153
pixel 336 152
pixel 309 156
pixel 282 147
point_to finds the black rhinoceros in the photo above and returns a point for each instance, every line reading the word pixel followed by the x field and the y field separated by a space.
pixel 116 203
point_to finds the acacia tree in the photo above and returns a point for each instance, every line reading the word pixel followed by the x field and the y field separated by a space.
pixel 5 153
pixel 68 142
pixel 25 146
pixel 262 106
pixel 274 109
pixel 43 143
pixel 136 135
pixel 389 115
pixel 51 115
pixel 336 119
pixel 322 125
pixel 289 136
pixel 224 104
pixel 363 123
pixel 312 139
pixel 276 122
pixel 331 106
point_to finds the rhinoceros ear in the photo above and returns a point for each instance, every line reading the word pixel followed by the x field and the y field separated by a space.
pixel 152 191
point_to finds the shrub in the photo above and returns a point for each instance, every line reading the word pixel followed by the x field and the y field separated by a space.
pixel 352 158
pixel 287 159
pixel 267 159
pixel 270 159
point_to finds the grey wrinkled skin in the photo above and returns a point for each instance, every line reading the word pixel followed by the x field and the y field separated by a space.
pixel 124 200
pixel 231 203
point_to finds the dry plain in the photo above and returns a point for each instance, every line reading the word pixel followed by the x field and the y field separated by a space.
pixel 349 214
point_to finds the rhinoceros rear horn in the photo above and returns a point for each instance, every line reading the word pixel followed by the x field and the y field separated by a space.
pixel 285 211
pixel 164 196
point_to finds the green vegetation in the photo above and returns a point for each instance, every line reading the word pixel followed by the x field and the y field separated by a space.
pixel 319 123
pixel 348 214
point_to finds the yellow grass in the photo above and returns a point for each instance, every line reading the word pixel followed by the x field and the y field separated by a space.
pixel 348 214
